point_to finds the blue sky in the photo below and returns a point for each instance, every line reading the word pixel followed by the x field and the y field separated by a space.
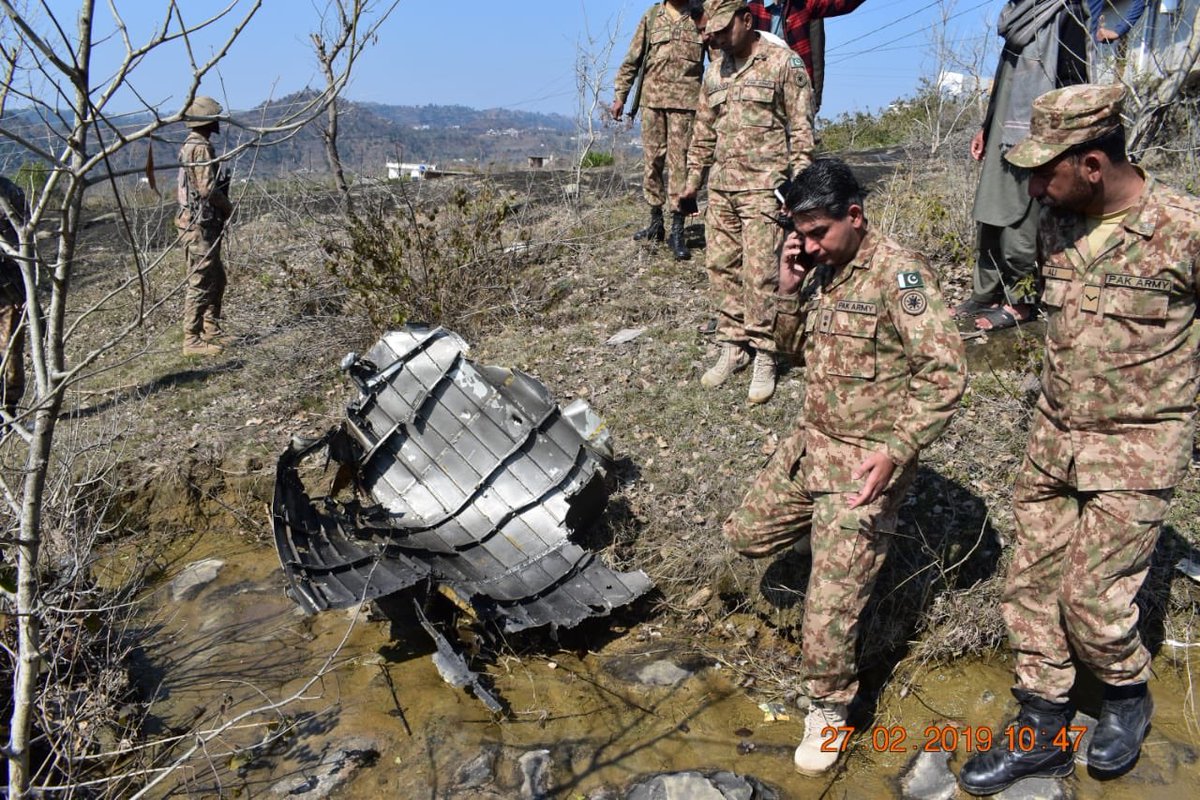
pixel 519 53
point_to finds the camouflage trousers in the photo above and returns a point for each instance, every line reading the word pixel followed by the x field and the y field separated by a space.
pixel 1079 561
pixel 743 265
pixel 205 281
pixel 666 133
pixel 848 549
pixel 12 347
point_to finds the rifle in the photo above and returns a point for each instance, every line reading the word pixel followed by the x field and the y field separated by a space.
pixel 200 210
pixel 641 78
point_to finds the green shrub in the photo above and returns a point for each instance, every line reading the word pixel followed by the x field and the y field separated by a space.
pixel 861 130
pixel 32 177
pixel 595 158
pixel 442 264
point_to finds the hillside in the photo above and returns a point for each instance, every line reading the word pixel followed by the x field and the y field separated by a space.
pixel 370 135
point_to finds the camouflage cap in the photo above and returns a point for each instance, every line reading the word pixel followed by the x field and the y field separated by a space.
pixel 202 111
pixel 1066 117
pixel 720 13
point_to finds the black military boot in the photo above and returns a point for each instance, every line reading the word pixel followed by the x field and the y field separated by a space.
pixel 1124 720
pixel 675 241
pixel 1034 744
pixel 653 232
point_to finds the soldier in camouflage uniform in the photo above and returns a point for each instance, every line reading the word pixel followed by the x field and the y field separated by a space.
pixel 1111 435
pixel 884 373
pixel 12 298
pixel 667 51
pixel 754 130
pixel 204 208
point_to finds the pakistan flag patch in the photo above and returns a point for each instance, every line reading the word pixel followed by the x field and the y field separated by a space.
pixel 796 63
pixel 910 280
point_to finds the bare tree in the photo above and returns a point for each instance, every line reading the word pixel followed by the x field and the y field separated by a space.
pixel 65 118
pixel 948 106
pixel 338 44
pixel 1156 93
pixel 593 54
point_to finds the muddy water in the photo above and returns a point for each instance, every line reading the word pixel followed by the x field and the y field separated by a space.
pixel 239 644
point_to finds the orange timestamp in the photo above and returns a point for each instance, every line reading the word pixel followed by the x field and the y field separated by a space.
pixel 941 738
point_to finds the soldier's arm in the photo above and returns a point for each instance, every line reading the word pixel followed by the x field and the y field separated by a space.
pixel 791 302
pixel 937 367
pixel 628 71
pixel 798 110
pixel 704 142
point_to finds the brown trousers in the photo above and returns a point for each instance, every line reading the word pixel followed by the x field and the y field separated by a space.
pixel 205 280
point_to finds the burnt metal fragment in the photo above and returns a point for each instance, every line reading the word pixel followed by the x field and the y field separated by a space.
pixel 477 480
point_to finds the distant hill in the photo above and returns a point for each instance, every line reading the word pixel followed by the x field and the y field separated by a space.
pixel 370 134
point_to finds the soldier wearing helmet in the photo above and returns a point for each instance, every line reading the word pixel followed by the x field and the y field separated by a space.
pixel 204 208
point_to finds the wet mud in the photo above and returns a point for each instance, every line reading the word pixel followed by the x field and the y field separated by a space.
pixel 279 696
pixel 349 704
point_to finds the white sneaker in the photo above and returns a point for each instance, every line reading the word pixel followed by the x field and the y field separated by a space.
pixel 825 735
pixel 732 358
pixel 762 381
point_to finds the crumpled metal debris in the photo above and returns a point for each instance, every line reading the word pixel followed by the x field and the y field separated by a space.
pixel 478 479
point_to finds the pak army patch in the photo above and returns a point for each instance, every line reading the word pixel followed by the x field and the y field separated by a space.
pixel 910 280
pixel 913 301
pixel 796 63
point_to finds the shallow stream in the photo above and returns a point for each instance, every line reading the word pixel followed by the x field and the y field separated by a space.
pixel 237 643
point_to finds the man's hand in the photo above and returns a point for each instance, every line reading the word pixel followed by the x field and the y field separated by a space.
pixel 977 142
pixel 1106 35
pixel 791 271
pixel 877 468
pixel 616 109
pixel 686 203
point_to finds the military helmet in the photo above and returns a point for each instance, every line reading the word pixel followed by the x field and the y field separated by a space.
pixel 201 112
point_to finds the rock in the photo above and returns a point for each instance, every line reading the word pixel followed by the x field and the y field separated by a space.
pixel 1035 789
pixel 535 775
pixel 319 781
pixel 625 335
pixel 194 577
pixel 603 793
pixel 697 786
pixel 662 673
pixel 478 771
pixel 1085 738
pixel 929 777
pixel 698 599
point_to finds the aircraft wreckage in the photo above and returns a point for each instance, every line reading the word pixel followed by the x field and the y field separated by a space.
pixel 477 481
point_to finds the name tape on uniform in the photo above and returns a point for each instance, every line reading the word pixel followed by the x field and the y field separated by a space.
pixel 1137 282
pixel 856 307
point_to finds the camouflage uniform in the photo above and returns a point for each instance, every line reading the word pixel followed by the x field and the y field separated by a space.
pixel 753 129
pixel 669 54
pixel 203 209
pixel 884 372
pixel 1111 437
pixel 12 304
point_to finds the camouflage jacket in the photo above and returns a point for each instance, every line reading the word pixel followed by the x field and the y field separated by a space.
pixel 201 199
pixel 754 126
pixel 1120 375
pixel 670 56
pixel 10 273
pixel 884 363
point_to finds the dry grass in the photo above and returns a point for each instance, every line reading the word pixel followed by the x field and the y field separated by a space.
pixel 210 429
